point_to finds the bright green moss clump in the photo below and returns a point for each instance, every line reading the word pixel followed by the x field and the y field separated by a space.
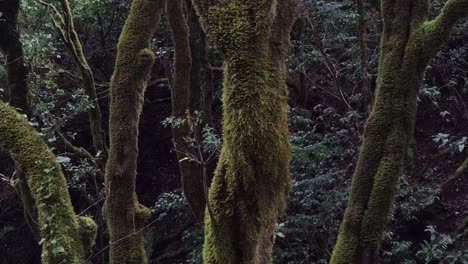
pixel 62 241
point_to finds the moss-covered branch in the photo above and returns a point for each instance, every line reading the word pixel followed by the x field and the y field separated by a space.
pixel 124 215
pixel 436 31
pixel 63 233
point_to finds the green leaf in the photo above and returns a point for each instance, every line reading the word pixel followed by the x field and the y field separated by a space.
pixel 62 159
pixel 58 250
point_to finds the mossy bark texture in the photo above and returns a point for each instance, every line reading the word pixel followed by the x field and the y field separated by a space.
pixel 409 42
pixel 64 234
pixel 125 217
pixel 190 170
pixel 251 182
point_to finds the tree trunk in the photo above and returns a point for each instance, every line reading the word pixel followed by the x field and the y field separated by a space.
pixel 18 90
pixel 66 238
pixel 201 91
pixel 408 44
pixel 125 217
pixel 183 96
pixel 251 182
pixel 11 46
pixel 63 23
pixel 362 35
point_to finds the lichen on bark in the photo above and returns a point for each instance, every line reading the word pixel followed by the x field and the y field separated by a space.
pixel 251 181
pixel 408 43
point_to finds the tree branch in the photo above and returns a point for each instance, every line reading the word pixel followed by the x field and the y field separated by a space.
pixel 437 30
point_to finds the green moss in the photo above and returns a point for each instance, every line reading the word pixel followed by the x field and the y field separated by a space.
pixel 251 181
pixel 59 228
pixel 88 232
pixel 406 48
pixel 124 216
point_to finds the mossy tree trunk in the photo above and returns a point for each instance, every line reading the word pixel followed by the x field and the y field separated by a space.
pixel 251 182
pixel 66 238
pixel 409 42
pixel 190 170
pixel 125 217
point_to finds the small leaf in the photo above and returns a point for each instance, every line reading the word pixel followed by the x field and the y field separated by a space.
pixel 58 250
pixel 62 159
pixel 280 235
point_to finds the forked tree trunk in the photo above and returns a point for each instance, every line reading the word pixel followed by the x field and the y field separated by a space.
pixel 409 42
pixel 66 238
pixel 125 217
pixel 251 182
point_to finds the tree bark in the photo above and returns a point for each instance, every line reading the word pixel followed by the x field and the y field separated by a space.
pixel 362 35
pixel 12 47
pixel 66 237
pixel 251 182
pixel 125 217
pixel 185 95
pixel 408 43
pixel 18 90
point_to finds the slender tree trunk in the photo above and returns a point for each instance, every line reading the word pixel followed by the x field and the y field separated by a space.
pixel 66 238
pixel 11 46
pixel 251 182
pixel 63 23
pixel 201 91
pixel 125 217
pixel 409 42
pixel 207 85
pixel 362 35
pixel 185 95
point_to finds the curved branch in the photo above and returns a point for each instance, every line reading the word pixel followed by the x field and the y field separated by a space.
pixel 62 231
pixel 437 30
